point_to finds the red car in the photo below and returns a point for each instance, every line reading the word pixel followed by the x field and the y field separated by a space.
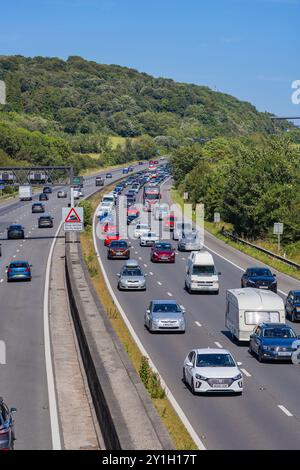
pixel 111 236
pixel 133 211
pixel 118 249
pixel 162 252
pixel 169 222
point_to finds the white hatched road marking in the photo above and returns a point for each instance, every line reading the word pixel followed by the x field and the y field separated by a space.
pixel 285 410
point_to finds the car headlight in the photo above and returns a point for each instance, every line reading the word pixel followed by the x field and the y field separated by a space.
pixel 237 377
pixel 274 282
pixel 200 377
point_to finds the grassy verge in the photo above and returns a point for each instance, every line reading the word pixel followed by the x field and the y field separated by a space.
pixel 215 229
pixel 180 436
pixel 94 171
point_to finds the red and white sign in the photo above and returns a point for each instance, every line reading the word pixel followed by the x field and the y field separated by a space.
pixel 72 218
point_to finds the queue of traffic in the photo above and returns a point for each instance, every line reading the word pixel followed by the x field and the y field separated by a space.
pixel 254 313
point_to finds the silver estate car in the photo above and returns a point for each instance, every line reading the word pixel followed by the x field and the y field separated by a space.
pixel 190 242
pixel 165 315
pixel 131 277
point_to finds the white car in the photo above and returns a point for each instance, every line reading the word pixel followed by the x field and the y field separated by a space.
pixel 140 228
pixel 212 370
pixel 105 207
pixel 148 238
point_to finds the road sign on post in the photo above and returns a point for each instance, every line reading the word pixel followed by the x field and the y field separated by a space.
pixel 73 219
pixel 217 217
pixel 278 230
pixel 78 181
pixel 185 196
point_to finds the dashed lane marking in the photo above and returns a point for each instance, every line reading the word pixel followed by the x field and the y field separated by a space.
pixel 285 410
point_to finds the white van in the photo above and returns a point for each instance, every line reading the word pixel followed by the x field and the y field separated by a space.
pixel 247 307
pixel 201 274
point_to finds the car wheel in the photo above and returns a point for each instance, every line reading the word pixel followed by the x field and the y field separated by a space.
pixel 260 356
pixel 183 376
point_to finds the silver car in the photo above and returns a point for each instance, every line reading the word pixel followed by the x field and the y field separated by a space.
pixel 190 242
pixel 180 228
pixel 165 315
pixel 132 277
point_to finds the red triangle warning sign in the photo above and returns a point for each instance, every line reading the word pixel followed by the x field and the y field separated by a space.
pixel 72 217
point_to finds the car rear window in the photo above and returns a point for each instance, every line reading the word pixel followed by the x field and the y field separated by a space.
pixel 18 265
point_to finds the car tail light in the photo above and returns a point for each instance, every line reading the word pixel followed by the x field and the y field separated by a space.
pixel 27 270
pixel 9 271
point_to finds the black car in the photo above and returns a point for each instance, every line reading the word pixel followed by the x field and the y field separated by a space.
pixel 43 197
pixel 108 175
pixel 260 278
pixel 292 305
pixel 37 207
pixel 7 431
pixel 47 190
pixel 15 231
pixel 45 221
pixel 272 341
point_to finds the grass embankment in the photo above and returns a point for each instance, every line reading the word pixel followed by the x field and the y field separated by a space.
pixel 94 171
pixel 180 436
pixel 215 229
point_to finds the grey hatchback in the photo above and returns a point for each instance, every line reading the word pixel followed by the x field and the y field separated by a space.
pixel 165 315
pixel 131 277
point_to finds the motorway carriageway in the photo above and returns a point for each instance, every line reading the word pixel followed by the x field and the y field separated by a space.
pixel 267 415
pixel 23 380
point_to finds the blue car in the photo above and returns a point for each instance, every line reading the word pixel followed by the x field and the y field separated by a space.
pixel 272 341
pixel 19 271
pixel 292 305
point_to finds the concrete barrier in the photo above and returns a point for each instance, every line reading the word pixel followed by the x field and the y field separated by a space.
pixel 126 415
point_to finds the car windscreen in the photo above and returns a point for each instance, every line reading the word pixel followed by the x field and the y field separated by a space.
pixel 117 244
pixel 15 227
pixel 203 270
pixel 214 360
pixel 297 298
pixel 18 265
pixel 132 272
pixel 168 308
pixel 259 272
pixel 163 246
pixel 279 332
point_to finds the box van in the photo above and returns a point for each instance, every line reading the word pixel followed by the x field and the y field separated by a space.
pixel 201 274
pixel 247 307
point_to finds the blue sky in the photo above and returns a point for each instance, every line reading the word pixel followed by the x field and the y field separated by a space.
pixel 248 48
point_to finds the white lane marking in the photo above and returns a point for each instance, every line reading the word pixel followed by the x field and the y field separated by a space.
pixel 169 294
pixel 159 283
pixel 183 259
pixel 144 352
pixel 140 257
pixel 246 373
pixel 14 256
pixel 18 251
pixel 218 345
pixel 198 324
pixel 136 252
pixel 286 411
pixel 1 280
pixel 151 273
pixel 56 442
pixel 146 265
